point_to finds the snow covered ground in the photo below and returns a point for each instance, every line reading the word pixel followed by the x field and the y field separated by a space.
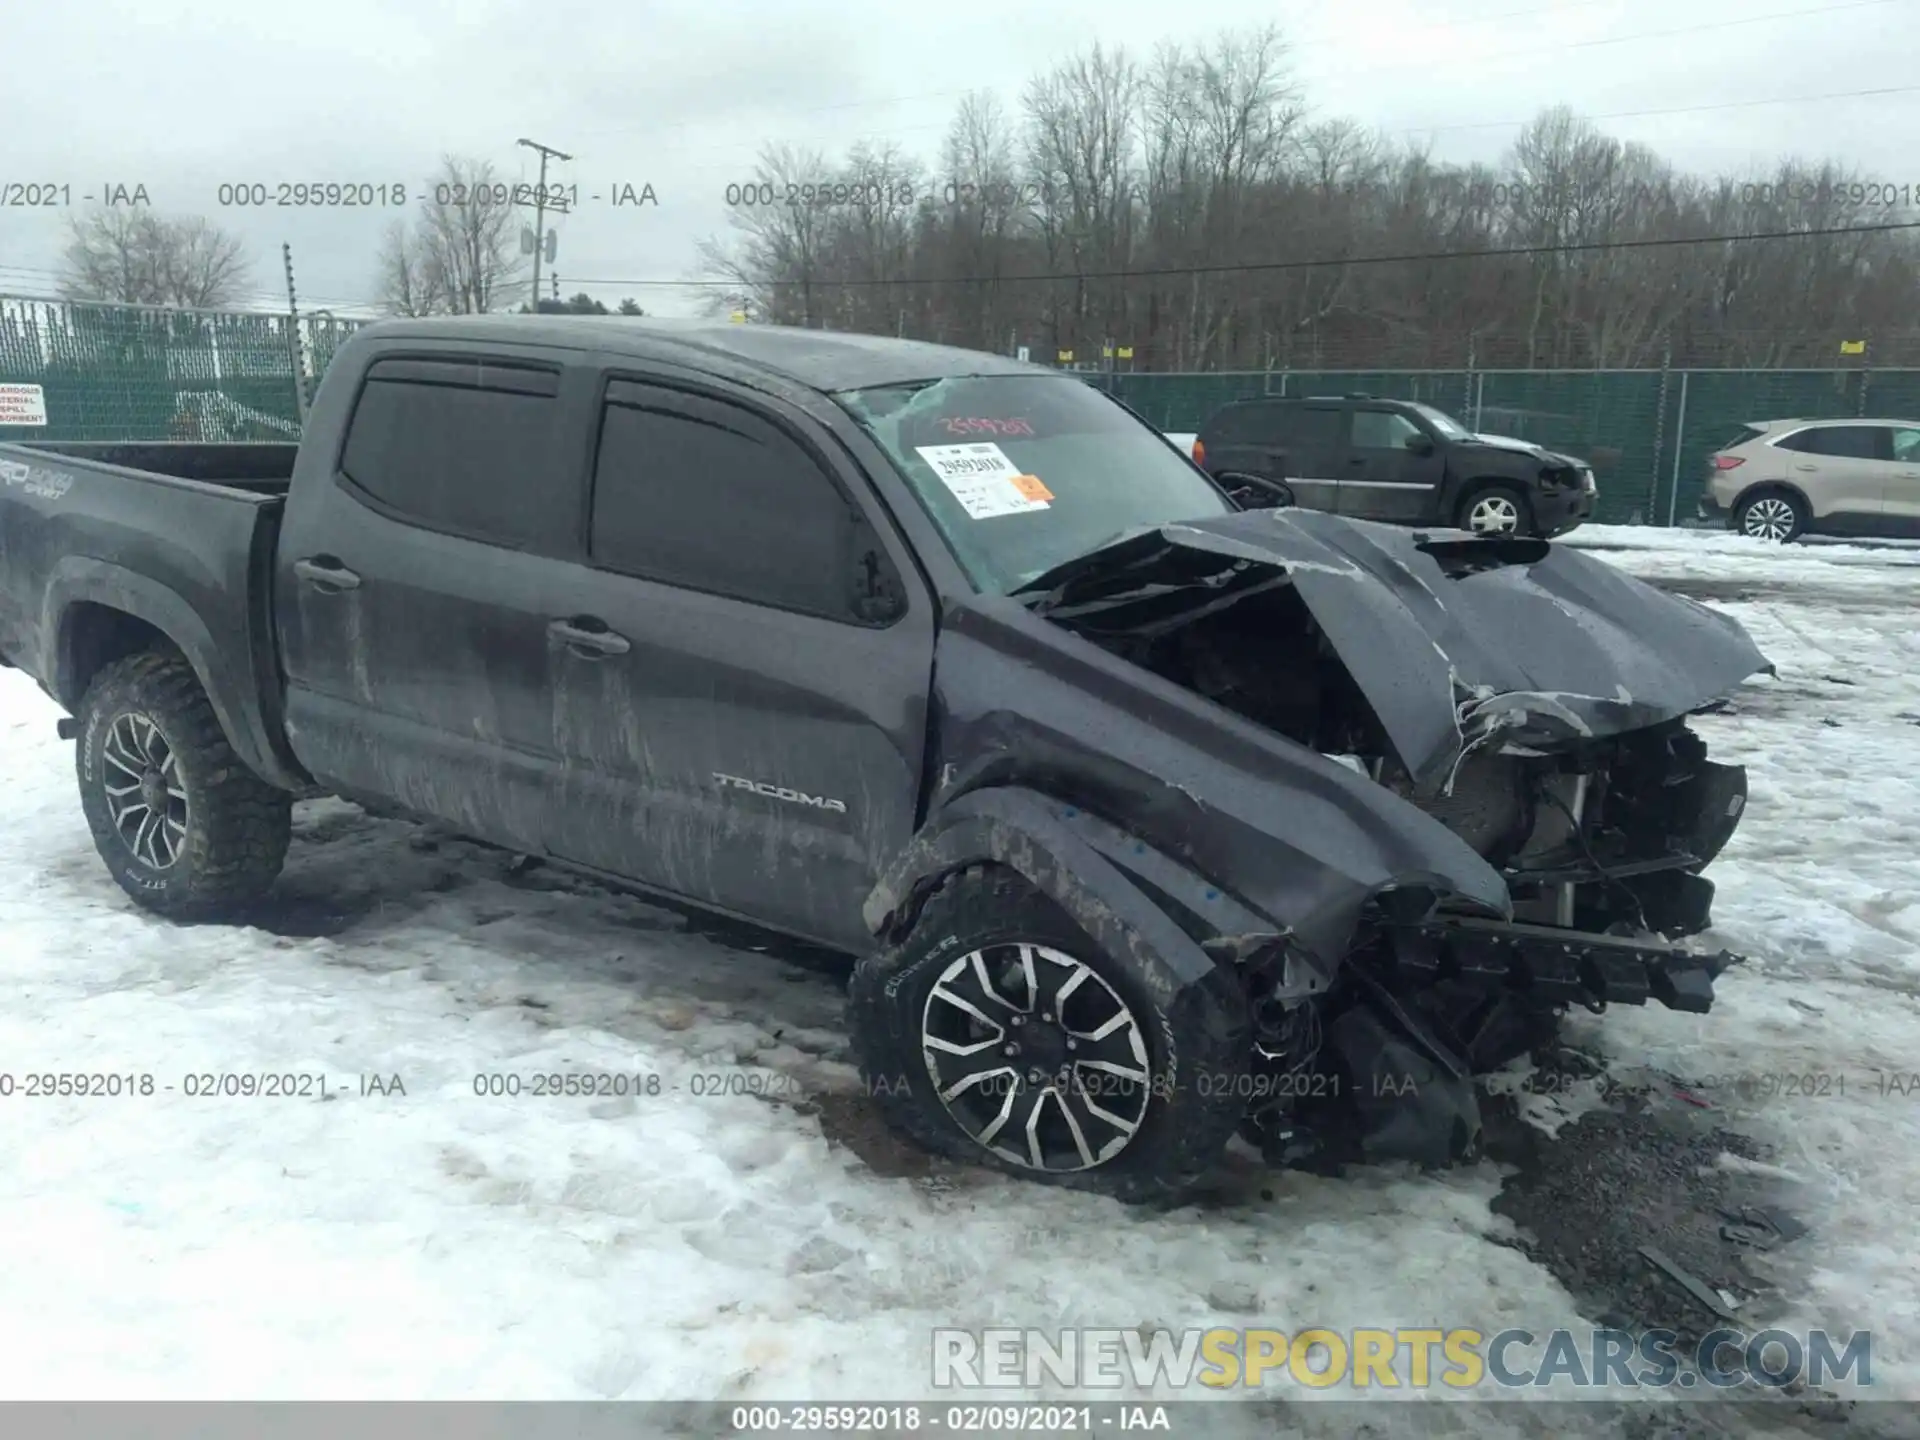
pixel 441 1244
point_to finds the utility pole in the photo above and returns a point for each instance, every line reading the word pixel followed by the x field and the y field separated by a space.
pixel 539 215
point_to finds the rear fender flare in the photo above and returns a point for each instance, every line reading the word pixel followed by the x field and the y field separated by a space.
pixel 1057 848
pixel 79 580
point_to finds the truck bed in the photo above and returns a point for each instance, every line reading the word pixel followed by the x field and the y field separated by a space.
pixel 180 535
pixel 261 469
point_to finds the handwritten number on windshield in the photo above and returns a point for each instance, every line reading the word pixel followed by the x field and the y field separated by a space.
pixel 983 425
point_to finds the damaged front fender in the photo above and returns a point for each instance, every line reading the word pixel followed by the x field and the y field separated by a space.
pixel 1300 842
pixel 1082 864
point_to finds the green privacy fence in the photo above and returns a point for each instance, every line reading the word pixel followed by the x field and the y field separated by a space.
pixel 1647 433
pixel 120 372
pixel 111 372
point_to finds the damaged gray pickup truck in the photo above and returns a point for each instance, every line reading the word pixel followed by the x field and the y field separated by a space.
pixel 1152 818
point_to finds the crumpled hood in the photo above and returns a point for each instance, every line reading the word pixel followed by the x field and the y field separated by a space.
pixel 1527 447
pixel 1455 642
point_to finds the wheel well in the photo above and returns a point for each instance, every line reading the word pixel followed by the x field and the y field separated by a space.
pixel 95 636
pixel 1490 482
pixel 1773 487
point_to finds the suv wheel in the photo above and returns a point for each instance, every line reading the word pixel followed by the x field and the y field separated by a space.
pixel 1770 515
pixel 181 823
pixel 1495 510
pixel 997 1033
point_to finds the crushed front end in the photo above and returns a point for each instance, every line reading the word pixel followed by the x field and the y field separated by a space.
pixel 1531 700
pixel 1601 847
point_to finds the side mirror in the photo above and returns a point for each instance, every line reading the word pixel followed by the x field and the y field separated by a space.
pixel 1419 444
pixel 878 597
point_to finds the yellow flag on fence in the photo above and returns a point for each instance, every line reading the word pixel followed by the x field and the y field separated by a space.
pixel 1853 347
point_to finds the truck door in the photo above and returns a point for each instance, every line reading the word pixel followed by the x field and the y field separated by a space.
pixel 740 711
pixel 416 586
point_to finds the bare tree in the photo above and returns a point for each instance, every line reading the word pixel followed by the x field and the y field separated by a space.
pixel 409 283
pixel 779 263
pixel 1192 209
pixel 132 256
pixel 1082 143
pixel 462 255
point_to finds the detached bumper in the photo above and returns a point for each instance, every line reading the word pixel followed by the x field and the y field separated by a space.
pixel 1554 966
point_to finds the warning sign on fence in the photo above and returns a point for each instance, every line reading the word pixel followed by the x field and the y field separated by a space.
pixel 23 405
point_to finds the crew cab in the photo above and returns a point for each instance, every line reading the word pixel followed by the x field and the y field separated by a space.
pixel 1130 803
pixel 1397 461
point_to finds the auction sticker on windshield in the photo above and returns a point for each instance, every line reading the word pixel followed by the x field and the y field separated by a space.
pixel 984 480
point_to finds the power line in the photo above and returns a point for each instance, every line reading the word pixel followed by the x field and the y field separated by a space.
pixel 274 303
pixel 1274 266
pixel 738 165
pixel 1313 46
pixel 1353 71
pixel 1704 27
pixel 1674 109
pixel 1561 7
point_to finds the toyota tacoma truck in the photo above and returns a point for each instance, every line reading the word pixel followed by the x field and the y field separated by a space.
pixel 1150 819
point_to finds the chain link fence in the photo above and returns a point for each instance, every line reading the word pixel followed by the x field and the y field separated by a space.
pixel 125 372
pixel 118 372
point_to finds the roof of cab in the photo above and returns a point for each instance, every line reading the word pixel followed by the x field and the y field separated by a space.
pixel 824 360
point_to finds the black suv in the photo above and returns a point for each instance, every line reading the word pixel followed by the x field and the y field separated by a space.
pixel 1394 460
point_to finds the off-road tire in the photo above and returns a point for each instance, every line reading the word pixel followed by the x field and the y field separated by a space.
pixel 1772 497
pixel 1200 1089
pixel 237 826
pixel 1522 510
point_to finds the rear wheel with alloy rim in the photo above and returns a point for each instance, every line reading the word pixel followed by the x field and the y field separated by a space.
pixel 148 808
pixel 1770 515
pixel 997 1032
pixel 184 827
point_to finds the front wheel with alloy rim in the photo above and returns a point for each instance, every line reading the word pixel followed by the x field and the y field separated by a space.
pixel 997 1032
pixel 184 827
pixel 1770 515
pixel 1494 510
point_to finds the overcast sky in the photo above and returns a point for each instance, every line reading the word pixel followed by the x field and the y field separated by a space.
pixel 183 95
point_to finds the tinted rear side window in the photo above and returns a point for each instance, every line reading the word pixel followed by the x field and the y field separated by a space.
pixel 1278 424
pixel 707 495
pixel 466 447
pixel 1313 428
pixel 1853 442
pixel 1241 424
